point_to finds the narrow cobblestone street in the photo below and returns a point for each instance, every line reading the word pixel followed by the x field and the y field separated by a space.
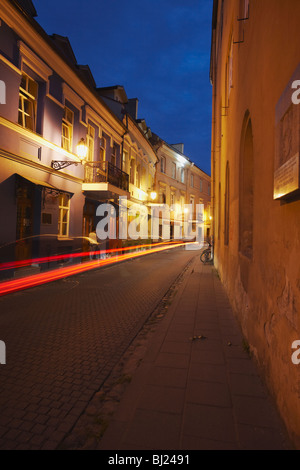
pixel 63 339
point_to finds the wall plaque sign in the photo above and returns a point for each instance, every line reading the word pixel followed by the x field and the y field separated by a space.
pixel 287 148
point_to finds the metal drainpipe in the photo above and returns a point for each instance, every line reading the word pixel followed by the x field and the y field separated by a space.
pixel 125 133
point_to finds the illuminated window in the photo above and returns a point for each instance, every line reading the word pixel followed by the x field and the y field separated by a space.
pixel 67 130
pixel 173 199
pixel 64 215
pixel 124 161
pixel 90 142
pixel 182 175
pixel 138 176
pixel 102 149
pixel 174 170
pixel 28 102
pixel 163 165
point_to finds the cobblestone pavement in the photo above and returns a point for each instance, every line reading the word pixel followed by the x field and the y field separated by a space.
pixel 197 387
pixel 63 339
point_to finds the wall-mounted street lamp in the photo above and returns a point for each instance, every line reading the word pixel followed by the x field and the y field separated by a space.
pixel 81 150
pixel 153 195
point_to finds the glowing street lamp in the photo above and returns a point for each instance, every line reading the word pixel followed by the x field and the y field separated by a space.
pixel 82 149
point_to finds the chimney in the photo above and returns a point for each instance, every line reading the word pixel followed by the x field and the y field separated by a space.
pixel 179 147
pixel 132 107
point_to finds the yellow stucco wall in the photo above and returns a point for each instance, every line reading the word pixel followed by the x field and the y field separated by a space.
pixel 264 290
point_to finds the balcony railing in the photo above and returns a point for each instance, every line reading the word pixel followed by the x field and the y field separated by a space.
pixel 105 172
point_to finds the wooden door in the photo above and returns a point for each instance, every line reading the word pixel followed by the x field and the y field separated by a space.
pixel 25 207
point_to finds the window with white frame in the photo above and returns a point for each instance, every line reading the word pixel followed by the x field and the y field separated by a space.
pixel 182 175
pixel 124 161
pixel 28 95
pixel 174 170
pixel 63 214
pixel 90 142
pixel 138 176
pixel 163 165
pixel 192 180
pixel 172 199
pixel 67 130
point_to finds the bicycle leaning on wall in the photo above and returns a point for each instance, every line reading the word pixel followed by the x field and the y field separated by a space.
pixel 207 255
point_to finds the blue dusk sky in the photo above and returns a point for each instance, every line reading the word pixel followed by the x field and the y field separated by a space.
pixel 159 51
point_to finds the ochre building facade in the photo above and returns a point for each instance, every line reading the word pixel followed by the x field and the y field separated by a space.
pixel 255 176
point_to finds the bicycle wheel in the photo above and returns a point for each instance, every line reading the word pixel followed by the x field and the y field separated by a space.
pixel 205 256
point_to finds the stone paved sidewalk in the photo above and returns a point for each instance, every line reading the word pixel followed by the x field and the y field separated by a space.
pixel 197 388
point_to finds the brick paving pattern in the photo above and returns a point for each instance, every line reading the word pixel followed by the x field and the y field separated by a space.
pixel 197 388
pixel 64 338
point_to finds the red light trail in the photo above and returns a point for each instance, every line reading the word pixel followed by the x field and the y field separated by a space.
pixel 9 287
pixel 47 259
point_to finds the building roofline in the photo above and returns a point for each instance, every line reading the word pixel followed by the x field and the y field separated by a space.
pixel 47 38
pixel 163 142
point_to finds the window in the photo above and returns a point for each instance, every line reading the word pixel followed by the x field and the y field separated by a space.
pixel 182 175
pixel 162 197
pixel 28 102
pixel 163 165
pixel 67 130
pixel 113 158
pixel 132 171
pixel 124 161
pixel 173 199
pixel 192 180
pixel 174 170
pixel 138 176
pixel 201 186
pixel 102 149
pixel 208 189
pixel 64 215
pixel 46 219
pixel 90 141
pixel 192 203
pixel 144 178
